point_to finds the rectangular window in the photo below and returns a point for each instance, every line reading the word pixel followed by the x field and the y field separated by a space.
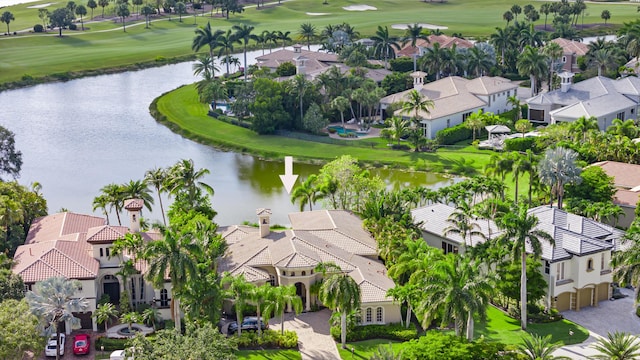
pixel 101 252
pixel 107 249
pixel 560 271
pixel 466 115
pixel 620 116
pixel 449 248
pixel 602 262
pixel 379 315
pixel 547 267
pixel 448 122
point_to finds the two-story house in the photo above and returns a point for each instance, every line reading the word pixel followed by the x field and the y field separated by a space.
pixel 78 247
pixel 576 267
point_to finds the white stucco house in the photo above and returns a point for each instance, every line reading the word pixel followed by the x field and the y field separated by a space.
pixel 78 247
pixel 576 268
pixel 455 98
pixel 289 257
pixel 603 98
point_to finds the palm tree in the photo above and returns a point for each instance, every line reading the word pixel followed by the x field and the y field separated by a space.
pixel 239 291
pixel 157 178
pixel 520 233
pixel 502 40
pixel 104 313
pixel 479 61
pixel 475 122
pixel 386 352
pixel 258 297
pixel 531 37
pixel 53 301
pixel 516 105
pixel 508 17
pixel 175 254
pixel 130 318
pixel 284 37
pixel 101 202
pixel 404 294
pixel 150 316
pixel 281 297
pixel 205 36
pixel 554 52
pixel 225 44
pixel 533 63
pixel 433 59
pixel 462 224
pixel 339 292
pixel 308 32
pixel 617 346
pixel 8 17
pixel 626 264
pixel 184 178
pixel 417 103
pixel 626 128
pixel 456 288
pixel 341 104
pixel 384 44
pixel 307 193
pixel 536 347
pixel 583 125
pixel 411 35
pixel 243 34
pixel 115 198
pixel 138 189
pixel 398 128
pixel 558 168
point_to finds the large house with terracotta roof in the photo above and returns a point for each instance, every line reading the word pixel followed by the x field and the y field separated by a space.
pixel 445 42
pixel 571 51
pixel 577 267
pixel 290 257
pixel 626 179
pixel 454 98
pixel 76 246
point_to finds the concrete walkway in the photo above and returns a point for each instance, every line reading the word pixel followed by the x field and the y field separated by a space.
pixel 313 334
pixel 608 317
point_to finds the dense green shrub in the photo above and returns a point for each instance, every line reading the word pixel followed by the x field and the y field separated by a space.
pixel 402 64
pixel 269 339
pixel 73 27
pixel 452 135
pixel 286 69
pixel 110 344
pixel 521 144
pixel 366 332
pixel 435 345
pixel 38 28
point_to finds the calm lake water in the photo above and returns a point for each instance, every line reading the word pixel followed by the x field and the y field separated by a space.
pixel 78 136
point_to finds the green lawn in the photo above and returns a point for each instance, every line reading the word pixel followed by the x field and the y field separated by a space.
pixel 41 54
pixel 365 349
pixel 500 327
pixel 268 355
pixel 182 108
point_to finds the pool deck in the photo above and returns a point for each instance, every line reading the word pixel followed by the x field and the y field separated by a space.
pixel 373 132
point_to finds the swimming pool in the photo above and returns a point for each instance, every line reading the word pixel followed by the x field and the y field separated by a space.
pixel 340 130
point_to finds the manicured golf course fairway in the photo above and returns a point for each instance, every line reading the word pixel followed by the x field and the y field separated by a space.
pixel 106 45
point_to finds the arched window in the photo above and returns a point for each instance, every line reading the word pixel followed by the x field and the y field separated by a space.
pixel 368 316
pixel 293 273
pixel 164 298
pixel 590 264
pixel 304 273
pixel 284 273
pixel 379 315
pixel 141 288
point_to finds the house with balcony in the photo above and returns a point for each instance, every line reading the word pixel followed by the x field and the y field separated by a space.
pixel 603 98
pixel 78 247
pixel 577 267
pixel 289 257
pixel 454 99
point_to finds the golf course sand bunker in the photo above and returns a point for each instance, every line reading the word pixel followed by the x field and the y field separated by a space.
pixel 359 8
pixel 39 6
pixel 317 14
pixel 425 26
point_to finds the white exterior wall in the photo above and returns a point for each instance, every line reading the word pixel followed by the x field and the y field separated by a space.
pixel 438 124
pixel 576 269
pixel 105 261
pixel 497 103
pixel 390 313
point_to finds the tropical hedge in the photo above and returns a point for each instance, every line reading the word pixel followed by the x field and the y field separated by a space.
pixel 366 332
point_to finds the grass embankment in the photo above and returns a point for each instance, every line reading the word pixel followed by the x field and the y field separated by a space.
pixel 184 114
pixel 90 50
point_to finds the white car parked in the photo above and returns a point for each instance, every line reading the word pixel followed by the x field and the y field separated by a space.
pixel 50 350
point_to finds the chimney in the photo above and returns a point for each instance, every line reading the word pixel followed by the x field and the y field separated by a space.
pixel 566 78
pixel 418 79
pixel 134 208
pixel 300 61
pixel 297 48
pixel 264 216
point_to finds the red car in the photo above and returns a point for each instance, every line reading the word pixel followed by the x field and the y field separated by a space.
pixel 81 344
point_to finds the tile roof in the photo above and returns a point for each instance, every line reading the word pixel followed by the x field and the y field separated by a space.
pixel 317 236
pixel 571 46
pixel 624 175
pixel 106 234
pixel 55 226
pixel 573 234
pixel 453 95
pixel 133 204
pixel 445 42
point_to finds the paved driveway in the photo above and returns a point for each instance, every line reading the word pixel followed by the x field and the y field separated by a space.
pixel 313 334
pixel 609 316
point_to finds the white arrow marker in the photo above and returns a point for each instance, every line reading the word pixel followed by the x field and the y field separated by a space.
pixel 288 179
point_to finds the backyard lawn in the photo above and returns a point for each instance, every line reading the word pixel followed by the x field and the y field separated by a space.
pixel 268 355
pixel 366 349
